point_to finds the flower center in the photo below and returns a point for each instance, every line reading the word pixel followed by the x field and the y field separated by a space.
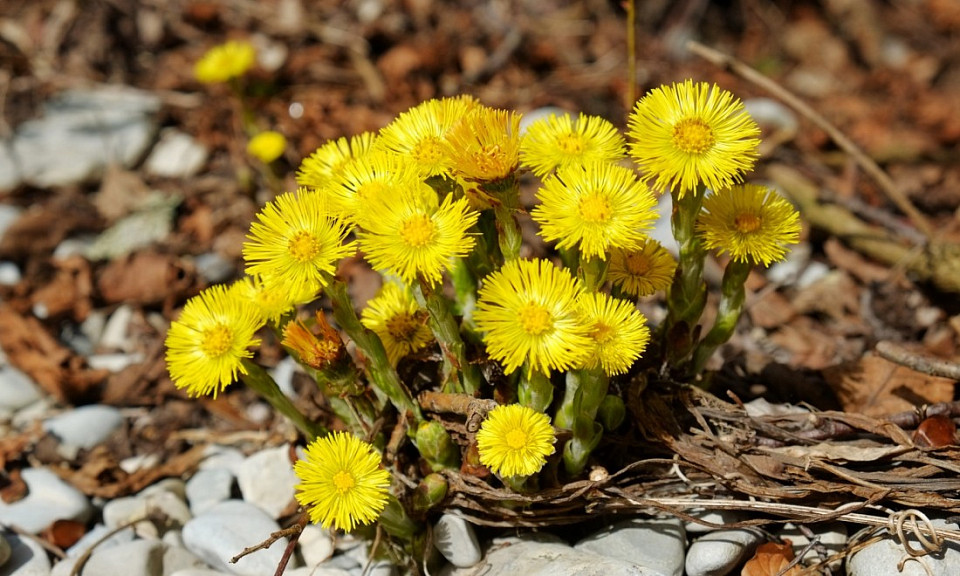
pixel 429 151
pixel 402 327
pixel 343 481
pixel 594 208
pixel 534 319
pixel 304 246
pixel 602 333
pixel 216 340
pixel 571 144
pixel 418 231
pixel 693 136
pixel 491 162
pixel 516 439
pixel 638 264
pixel 747 223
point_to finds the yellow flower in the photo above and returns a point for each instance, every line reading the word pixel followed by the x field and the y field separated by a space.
pixel 598 206
pixel 341 482
pixel 618 330
pixel 208 342
pixel 419 134
pixel 408 234
pixel 318 169
pixel 225 61
pixel 528 312
pixel 363 181
pixel 643 271
pixel 485 144
pixel 558 141
pixel 267 146
pixel 296 242
pixel 399 322
pixel 515 440
pixel 273 299
pixel 689 134
pixel 750 222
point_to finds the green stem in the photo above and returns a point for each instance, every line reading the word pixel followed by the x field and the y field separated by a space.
pixel 381 372
pixel 465 291
pixel 447 332
pixel 732 295
pixel 263 384
pixel 510 238
pixel 584 393
pixel 593 273
pixel 535 389
pixel 688 294
pixel 396 522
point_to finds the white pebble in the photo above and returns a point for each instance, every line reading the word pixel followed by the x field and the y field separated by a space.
pixel 84 427
pixel 49 498
pixel 455 538
pixel 266 479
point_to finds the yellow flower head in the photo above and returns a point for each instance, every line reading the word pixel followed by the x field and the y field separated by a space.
pixel 618 330
pixel 267 146
pixel 225 61
pixel 273 299
pixel 558 141
pixel 341 482
pixel 485 144
pixel 515 440
pixel 598 206
pixel 528 313
pixel 296 242
pixel 643 271
pixel 750 222
pixel 399 322
pixel 318 169
pixel 419 134
pixel 208 342
pixel 689 134
pixel 365 180
pixel 408 234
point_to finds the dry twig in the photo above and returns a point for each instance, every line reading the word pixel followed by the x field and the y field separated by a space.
pixel 918 362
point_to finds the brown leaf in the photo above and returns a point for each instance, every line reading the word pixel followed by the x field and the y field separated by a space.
pixel 15 488
pixel 146 278
pixel 936 432
pixel 770 559
pixel 69 291
pixel 874 386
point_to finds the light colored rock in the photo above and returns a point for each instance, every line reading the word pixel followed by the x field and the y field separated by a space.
pixel 10 274
pixel 177 558
pixel 718 517
pixel 174 486
pixel 380 568
pixel 150 223
pixel 27 558
pixel 73 246
pixel 222 457
pixel 139 462
pixel 49 498
pixel 214 268
pixel 84 427
pixel 308 571
pixel 226 529
pixel 543 113
pixel 267 480
pixel 455 538
pixel 9 168
pixel 93 537
pixel 123 510
pixel 316 545
pixel 137 558
pixel 833 537
pixel 283 375
pixel 64 567
pixel 717 553
pixel 114 334
pixel 882 557
pixel 5 551
pixel 114 362
pixel 16 389
pixel 208 487
pixel 199 572
pixel 8 215
pixel 659 546
pixel 176 155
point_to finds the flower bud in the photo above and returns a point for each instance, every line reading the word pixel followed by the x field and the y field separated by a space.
pixel 611 412
pixel 430 492
pixel 436 446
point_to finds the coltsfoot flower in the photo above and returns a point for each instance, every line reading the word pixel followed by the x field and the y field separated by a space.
pixel 399 322
pixel 598 206
pixel 267 146
pixel 318 169
pixel 224 62
pixel 484 145
pixel 273 299
pixel 366 180
pixel 419 134
pixel 341 482
pixel 527 311
pixel 515 440
pixel 685 135
pixel 618 330
pixel 643 271
pixel 558 141
pixel 750 222
pixel 207 344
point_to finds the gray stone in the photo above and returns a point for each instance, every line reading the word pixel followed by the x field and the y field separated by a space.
pixel 114 362
pixel 655 545
pixel 209 487
pixel 114 334
pixel 718 517
pixel 882 557
pixel 222 457
pixel 84 427
pixel 214 268
pixel 137 558
pixel 150 223
pixel 176 155
pixel 122 510
pixel 316 545
pixel 455 538
pixel 10 274
pixel 718 553
pixel 27 558
pixel 93 537
pixel 16 389
pixel 267 480
pixel 177 558
pixel 5 551
pixel 226 529
pixel 49 498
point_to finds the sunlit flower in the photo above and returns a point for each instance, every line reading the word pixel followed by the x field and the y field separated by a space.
pixel 643 271
pixel 618 330
pixel 341 482
pixel 273 299
pixel 225 61
pixel 527 311
pixel 411 236
pixel 208 342
pixel 267 146
pixel 598 206
pixel 364 181
pixel 318 169
pixel 419 134
pixel 317 352
pixel 685 135
pixel 399 322
pixel 558 141
pixel 485 144
pixel 296 242
pixel 751 222
pixel 515 440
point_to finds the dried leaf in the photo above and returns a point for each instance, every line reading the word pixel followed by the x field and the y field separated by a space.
pixel 936 432
pixel 874 386
pixel 64 533
pixel 838 452
pixel 146 278
pixel 770 560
